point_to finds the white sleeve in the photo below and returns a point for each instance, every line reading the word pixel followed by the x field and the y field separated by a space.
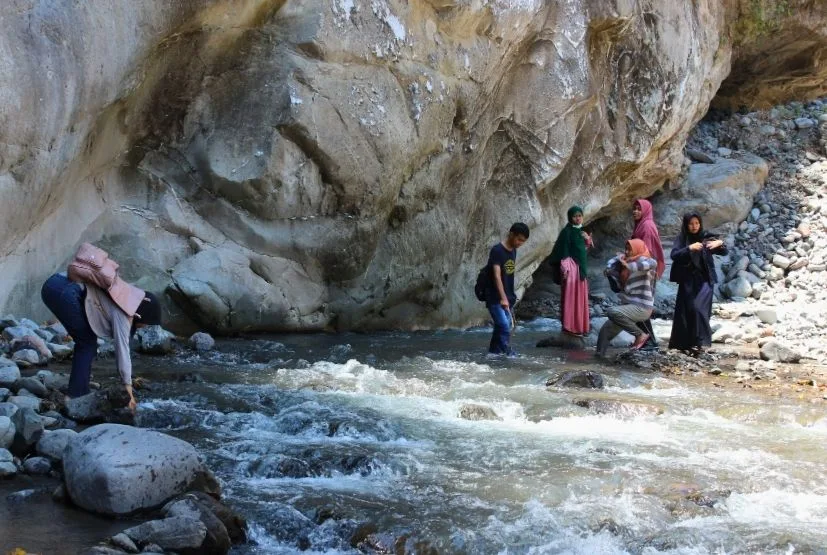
pixel 121 325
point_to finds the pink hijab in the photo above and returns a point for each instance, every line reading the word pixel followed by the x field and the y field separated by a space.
pixel 647 231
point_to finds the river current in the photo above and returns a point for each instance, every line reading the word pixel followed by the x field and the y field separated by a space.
pixel 330 444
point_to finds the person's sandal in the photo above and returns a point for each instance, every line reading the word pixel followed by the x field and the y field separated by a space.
pixel 640 342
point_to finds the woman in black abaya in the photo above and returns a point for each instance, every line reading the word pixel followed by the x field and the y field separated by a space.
pixel 693 268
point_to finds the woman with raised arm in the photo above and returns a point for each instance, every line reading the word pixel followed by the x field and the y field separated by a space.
pixel 693 269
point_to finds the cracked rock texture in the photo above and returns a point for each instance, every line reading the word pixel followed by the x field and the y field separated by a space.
pixel 283 165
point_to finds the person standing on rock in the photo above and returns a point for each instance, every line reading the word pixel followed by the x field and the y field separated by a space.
pixel 647 231
pixel 568 261
pixel 693 269
pixel 500 297
pixel 637 297
pixel 88 312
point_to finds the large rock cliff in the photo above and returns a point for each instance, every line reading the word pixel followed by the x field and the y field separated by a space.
pixel 278 165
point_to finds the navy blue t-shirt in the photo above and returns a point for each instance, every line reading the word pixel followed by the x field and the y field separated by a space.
pixel 507 261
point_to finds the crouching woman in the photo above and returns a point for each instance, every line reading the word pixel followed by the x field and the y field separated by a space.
pixel 637 298
pixel 88 312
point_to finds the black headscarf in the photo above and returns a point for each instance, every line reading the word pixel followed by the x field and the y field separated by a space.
pixel 687 239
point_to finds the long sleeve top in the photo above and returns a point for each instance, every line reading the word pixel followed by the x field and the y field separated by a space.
pixel 638 287
pixel 107 320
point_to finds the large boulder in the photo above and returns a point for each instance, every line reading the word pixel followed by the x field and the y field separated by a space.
pixel 722 193
pixel 113 469
pixel 287 187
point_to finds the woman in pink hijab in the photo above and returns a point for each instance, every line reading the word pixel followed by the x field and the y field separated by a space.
pixel 647 231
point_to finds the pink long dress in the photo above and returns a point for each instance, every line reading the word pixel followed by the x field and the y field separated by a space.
pixel 575 298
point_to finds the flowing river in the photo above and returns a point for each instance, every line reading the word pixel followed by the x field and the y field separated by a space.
pixel 324 442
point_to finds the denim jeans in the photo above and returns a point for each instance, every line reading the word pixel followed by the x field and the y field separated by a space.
pixel 66 301
pixel 501 337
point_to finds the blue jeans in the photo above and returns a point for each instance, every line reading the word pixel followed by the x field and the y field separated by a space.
pixel 501 337
pixel 65 299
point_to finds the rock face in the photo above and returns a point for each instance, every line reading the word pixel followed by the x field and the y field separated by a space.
pixel 116 470
pixel 286 187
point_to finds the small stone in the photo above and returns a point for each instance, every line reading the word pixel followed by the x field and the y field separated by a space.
pixel 122 541
pixel 798 264
pixel 767 315
pixel 23 392
pixel 780 261
pixel 754 214
pixel 24 402
pixel 724 152
pixel 26 358
pixel 804 123
pixel 745 121
pixel 4 394
pixel 59 332
pixel 31 324
pixel 8 321
pixel 60 352
pixel 804 230
pixel 756 271
pixel 154 340
pixel 202 342
pixel 699 156
pixel 53 443
pixel 29 429
pixel 775 274
pixel 811 156
pixel 45 335
pixel 7 470
pixel 37 466
pixel 775 351
pixel 739 287
pixel 7 432
pixel 9 376
pixel 5 455
pixel 8 409
pixel 34 385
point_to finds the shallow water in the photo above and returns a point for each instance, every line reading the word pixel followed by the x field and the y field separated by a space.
pixel 320 440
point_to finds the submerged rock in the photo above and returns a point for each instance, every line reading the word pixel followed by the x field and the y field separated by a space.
pixel 113 469
pixel 585 379
pixel 477 412
pixel 180 534
pixel 621 409
pixel 563 340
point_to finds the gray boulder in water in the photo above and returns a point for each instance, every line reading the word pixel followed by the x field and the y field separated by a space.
pixel 154 340
pixel 587 379
pixel 217 540
pixel 202 342
pixel 113 469
pixel 180 534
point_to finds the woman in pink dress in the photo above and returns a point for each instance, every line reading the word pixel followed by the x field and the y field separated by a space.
pixel 568 257
pixel 647 231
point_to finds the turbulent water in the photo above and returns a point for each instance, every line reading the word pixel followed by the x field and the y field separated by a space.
pixel 324 442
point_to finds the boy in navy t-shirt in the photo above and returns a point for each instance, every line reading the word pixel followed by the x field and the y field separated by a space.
pixel 500 298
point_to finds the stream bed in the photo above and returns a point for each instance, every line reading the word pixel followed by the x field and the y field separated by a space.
pixel 342 443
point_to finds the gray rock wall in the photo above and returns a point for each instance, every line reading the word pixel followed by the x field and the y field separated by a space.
pixel 278 165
